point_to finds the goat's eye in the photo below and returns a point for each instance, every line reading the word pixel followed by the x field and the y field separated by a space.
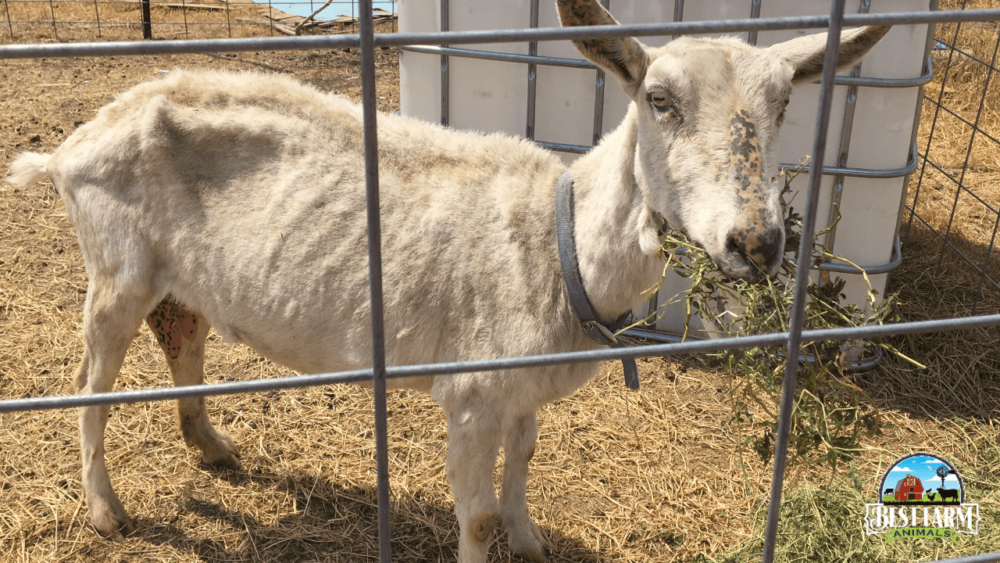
pixel 781 114
pixel 660 101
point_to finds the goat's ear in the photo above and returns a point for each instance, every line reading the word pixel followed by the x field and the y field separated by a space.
pixel 624 57
pixel 805 54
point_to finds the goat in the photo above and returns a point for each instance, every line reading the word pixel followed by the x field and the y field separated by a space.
pixel 236 201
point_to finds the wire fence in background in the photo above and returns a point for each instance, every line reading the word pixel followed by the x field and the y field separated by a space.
pixel 90 20
pixel 379 372
pixel 952 213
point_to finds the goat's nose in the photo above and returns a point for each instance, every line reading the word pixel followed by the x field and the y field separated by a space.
pixel 761 248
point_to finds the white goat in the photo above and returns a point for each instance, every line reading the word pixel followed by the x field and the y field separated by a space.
pixel 237 201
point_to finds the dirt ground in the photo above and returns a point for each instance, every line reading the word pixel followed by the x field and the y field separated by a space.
pixel 655 475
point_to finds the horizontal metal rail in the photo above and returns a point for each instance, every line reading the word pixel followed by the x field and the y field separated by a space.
pixel 864 81
pixel 911 165
pixel 859 365
pixel 827 170
pixel 984 558
pixel 138 48
pixel 894 261
pixel 564 147
pixel 523 362
pixel 875 82
pixel 495 56
pixel 127 23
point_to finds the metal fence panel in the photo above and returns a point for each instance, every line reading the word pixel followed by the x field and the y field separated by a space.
pixel 379 372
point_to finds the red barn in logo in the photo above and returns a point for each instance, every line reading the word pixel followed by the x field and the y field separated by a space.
pixel 909 488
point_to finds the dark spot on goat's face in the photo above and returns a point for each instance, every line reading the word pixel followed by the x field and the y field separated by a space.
pixel 753 248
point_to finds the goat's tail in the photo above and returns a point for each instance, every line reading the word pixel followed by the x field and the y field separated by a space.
pixel 28 167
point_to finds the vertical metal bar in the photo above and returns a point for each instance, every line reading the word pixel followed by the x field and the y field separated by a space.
pixel 654 300
pixel 529 127
pixel 54 30
pixel 229 25
pixel 147 20
pixel 97 16
pixel 184 13
pixel 445 64
pixel 10 26
pixel 599 83
pixel 678 13
pixel 367 30
pixel 930 136
pixel 270 16
pixel 797 316
pixel 926 68
pixel 968 153
pixel 845 145
pixel 754 14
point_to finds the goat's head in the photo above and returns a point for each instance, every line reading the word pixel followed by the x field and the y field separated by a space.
pixel 708 113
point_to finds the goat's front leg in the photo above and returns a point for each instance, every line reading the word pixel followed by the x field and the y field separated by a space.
pixel 181 334
pixel 523 536
pixel 473 444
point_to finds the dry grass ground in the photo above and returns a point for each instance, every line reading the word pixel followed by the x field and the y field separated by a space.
pixel 120 20
pixel 655 475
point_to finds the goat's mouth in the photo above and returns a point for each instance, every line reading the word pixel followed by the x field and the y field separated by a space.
pixel 738 270
pixel 751 256
pixel 737 265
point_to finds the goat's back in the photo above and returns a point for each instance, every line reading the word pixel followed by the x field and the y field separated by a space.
pixel 242 195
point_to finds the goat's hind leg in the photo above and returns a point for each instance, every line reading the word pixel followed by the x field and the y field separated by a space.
pixel 181 334
pixel 110 319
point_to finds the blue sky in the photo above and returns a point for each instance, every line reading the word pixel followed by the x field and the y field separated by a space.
pixel 338 8
pixel 922 467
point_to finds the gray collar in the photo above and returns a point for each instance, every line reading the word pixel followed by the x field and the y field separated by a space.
pixel 598 331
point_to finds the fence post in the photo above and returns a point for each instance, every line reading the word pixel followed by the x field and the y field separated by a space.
pixel 369 110
pixel 147 20
pixel 10 26
pixel 797 315
pixel 55 30
pixel 97 15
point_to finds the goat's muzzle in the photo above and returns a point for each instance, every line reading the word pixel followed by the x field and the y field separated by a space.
pixel 752 256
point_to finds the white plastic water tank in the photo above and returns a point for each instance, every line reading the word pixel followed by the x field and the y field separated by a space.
pixel 489 96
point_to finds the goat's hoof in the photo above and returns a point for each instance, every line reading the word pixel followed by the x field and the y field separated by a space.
pixel 221 452
pixel 485 527
pixel 112 523
pixel 226 461
pixel 529 542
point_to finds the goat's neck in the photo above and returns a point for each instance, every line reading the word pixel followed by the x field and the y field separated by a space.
pixel 612 216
